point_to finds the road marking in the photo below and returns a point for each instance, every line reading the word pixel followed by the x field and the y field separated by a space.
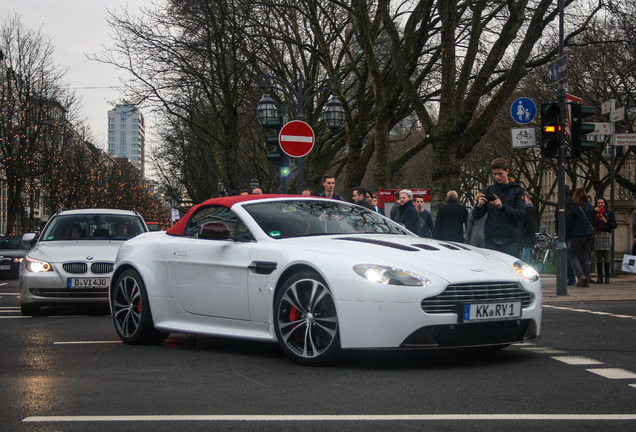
pixel 590 312
pixel 322 418
pixel 574 360
pixel 85 342
pixel 17 316
pixel 543 350
pixel 614 373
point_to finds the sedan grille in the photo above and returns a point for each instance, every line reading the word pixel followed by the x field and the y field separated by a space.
pixel 81 268
pixel 101 268
pixel 454 295
pixel 75 267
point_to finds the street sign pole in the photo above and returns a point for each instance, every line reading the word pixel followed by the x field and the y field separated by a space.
pixel 613 180
pixel 562 250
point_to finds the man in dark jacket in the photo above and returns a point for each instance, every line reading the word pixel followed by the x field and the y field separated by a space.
pixel 406 213
pixel 360 198
pixel 503 203
pixel 451 219
pixel 527 238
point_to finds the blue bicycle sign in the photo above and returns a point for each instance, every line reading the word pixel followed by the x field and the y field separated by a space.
pixel 523 110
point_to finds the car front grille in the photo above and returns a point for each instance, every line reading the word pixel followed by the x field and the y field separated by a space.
pixel 75 267
pixel 483 292
pixel 6 260
pixel 101 268
pixel 81 268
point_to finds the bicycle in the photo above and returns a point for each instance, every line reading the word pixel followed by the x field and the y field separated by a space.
pixel 543 252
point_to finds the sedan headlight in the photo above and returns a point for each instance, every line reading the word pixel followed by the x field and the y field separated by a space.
pixel 526 271
pixel 36 266
pixel 390 275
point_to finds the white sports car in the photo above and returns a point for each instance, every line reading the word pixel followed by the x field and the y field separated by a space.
pixel 317 276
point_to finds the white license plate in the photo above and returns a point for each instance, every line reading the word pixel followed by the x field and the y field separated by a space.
pixel 87 283
pixel 5 267
pixel 491 311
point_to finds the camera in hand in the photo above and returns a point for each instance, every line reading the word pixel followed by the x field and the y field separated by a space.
pixel 491 197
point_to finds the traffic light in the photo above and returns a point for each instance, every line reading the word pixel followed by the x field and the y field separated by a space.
pixel 550 128
pixel 579 112
pixel 273 126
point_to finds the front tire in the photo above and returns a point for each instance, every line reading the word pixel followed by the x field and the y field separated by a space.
pixel 131 311
pixel 305 319
pixel 29 309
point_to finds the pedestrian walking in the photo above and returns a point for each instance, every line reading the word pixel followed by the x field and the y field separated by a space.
pixel 527 237
pixel 605 223
pixel 329 184
pixel 475 228
pixel 406 212
pixel 360 198
pixel 580 230
pixel 503 203
pixel 427 226
pixel 451 219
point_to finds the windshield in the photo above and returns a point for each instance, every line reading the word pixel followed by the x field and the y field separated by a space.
pixel 284 219
pixel 13 242
pixel 88 226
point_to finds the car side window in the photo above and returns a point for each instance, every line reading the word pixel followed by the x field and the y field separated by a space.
pixel 218 214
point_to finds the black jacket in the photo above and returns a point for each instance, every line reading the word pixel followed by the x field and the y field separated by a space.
pixel 606 226
pixel 407 215
pixel 450 222
pixel 528 238
pixel 580 220
pixel 505 222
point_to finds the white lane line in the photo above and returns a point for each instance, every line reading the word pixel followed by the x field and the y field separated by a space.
pixel 590 312
pixel 12 317
pixel 543 350
pixel 85 342
pixel 614 373
pixel 322 418
pixel 575 360
pixel 633 385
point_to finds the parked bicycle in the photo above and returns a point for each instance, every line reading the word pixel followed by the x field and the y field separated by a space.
pixel 543 252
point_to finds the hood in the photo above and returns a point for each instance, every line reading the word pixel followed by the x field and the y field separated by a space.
pixel 451 261
pixel 79 250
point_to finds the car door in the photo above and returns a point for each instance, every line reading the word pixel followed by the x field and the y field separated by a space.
pixel 210 276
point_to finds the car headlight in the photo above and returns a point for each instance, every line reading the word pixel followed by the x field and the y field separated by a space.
pixel 526 271
pixel 36 266
pixel 390 275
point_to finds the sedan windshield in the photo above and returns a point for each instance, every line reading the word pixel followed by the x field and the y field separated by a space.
pixel 92 227
pixel 298 218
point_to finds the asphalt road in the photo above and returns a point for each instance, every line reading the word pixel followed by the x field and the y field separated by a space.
pixel 68 372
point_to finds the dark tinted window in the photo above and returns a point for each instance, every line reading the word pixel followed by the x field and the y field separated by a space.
pixel 218 214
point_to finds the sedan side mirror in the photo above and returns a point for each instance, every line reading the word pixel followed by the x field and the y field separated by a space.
pixel 214 231
pixel 28 238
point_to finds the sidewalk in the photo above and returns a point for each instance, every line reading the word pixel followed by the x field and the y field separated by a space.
pixel 621 287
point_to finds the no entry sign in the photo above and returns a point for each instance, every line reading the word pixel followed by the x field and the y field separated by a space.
pixel 296 138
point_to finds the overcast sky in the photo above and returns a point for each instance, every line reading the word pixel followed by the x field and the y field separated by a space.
pixel 76 28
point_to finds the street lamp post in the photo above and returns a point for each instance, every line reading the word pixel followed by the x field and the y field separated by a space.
pixel 333 114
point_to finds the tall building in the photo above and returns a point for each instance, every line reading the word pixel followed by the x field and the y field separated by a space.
pixel 127 134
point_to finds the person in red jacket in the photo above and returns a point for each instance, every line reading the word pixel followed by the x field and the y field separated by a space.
pixel 605 223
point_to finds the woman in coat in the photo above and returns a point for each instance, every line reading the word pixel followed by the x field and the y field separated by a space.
pixel 580 220
pixel 605 223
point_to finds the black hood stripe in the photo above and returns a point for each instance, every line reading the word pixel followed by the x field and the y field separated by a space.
pixel 380 243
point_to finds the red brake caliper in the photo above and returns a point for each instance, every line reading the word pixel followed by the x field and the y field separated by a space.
pixel 294 315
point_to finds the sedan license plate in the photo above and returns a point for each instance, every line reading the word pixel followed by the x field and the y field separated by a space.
pixel 87 283
pixel 491 311
pixel 5 267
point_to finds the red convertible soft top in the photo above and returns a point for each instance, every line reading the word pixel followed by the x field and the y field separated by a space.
pixel 229 201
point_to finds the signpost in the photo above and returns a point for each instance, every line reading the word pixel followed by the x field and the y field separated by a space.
pixel 558 70
pixel 296 138
pixel 627 139
pixel 523 110
pixel 523 137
